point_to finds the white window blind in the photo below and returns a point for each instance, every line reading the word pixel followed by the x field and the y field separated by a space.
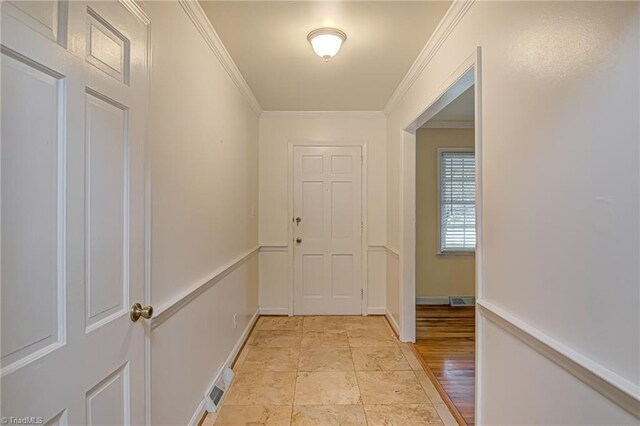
pixel 457 201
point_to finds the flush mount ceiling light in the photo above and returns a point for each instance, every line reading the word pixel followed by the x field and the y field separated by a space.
pixel 326 42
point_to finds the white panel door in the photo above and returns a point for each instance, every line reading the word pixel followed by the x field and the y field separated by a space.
pixel 74 90
pixel 327 209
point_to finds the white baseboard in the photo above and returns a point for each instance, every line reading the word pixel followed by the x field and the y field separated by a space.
pixel 376 311
pixel 392 321
pixel 195 419
pixel 274 311
pixel 432 300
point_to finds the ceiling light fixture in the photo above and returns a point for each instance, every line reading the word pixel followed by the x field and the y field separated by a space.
pixel 326 42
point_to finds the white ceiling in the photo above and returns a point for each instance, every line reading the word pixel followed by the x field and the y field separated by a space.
pixel 461 109
pixel 268 42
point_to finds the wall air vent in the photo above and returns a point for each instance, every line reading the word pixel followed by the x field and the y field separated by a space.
pixel 457 301
pixel 214 397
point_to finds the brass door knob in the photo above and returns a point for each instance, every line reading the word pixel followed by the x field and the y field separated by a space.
pixel 138 311
pixel 298 240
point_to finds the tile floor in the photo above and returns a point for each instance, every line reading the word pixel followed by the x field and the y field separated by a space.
pixel 329 371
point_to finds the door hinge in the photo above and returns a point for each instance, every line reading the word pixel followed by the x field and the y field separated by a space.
pixel 361 226
pixel 361 293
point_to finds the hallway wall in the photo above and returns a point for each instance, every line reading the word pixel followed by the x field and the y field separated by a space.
pixel 277 129
pixel 204 191
pixel 560 98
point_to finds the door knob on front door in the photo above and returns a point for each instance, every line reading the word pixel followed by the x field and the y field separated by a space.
pixel 298 240
pixel 138 311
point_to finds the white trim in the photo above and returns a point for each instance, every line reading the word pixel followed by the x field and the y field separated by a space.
pixel 458 82
pixel 282 248
pixel 432 300
pixel 441 33
pixel 448 125
pixel 376 248
pixel 392 321
pixel 376 311
pixel 364 182
pixel 197 415
pixel 323 114
pixel 204 26
pixel 604 381
pixel 169 308
pixel 466 75
pixel 137 11
pixel 274 311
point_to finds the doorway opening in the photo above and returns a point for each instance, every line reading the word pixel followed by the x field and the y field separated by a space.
pixel 445 253
pixel 441 238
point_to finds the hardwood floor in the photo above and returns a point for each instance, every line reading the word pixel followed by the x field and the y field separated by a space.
pixel 445 342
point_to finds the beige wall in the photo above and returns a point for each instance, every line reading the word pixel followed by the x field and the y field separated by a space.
pixel 204 191
pixel 437 275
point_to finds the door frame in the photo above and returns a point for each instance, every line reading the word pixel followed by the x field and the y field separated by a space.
pixel 468 74
pixel 138 9
pixel 363 212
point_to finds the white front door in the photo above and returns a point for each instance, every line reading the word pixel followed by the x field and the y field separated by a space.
pixel 327 209
pixel 74 90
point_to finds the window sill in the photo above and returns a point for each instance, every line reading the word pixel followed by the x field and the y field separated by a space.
pixel 457 253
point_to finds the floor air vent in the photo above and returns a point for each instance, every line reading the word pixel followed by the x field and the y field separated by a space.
pixel 214 397
pixel 456 301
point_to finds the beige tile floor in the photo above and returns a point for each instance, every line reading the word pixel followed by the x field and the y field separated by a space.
pixel 329 371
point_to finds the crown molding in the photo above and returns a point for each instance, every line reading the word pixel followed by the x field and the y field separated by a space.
pixel 322 114
pixel 449 125
pixel 203 24
pixel 441 33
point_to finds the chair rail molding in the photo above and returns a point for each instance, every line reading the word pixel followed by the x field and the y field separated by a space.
pixel 278 248
pixel 176 303
pixel 393 251
pixel 604 381
pixel 204 26
pixel 442 32
pixel 350 115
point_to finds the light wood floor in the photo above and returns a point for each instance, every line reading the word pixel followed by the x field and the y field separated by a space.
pixel 445 342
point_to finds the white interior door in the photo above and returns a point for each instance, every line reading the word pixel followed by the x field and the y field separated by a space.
pixel 328 234
pixel 74 90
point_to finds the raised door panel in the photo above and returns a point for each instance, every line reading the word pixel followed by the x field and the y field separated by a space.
pixel 107 49
pixel 32 206
pixel 313 276
pixel 312 164
pixel 342 275
pixel 342 210
pixel 46 17
pixel 341 164
pixel 312 211
pixel 106 220
pixel 58 420
pixel 107 403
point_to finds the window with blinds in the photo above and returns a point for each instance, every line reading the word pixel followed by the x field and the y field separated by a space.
pixel 457 201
